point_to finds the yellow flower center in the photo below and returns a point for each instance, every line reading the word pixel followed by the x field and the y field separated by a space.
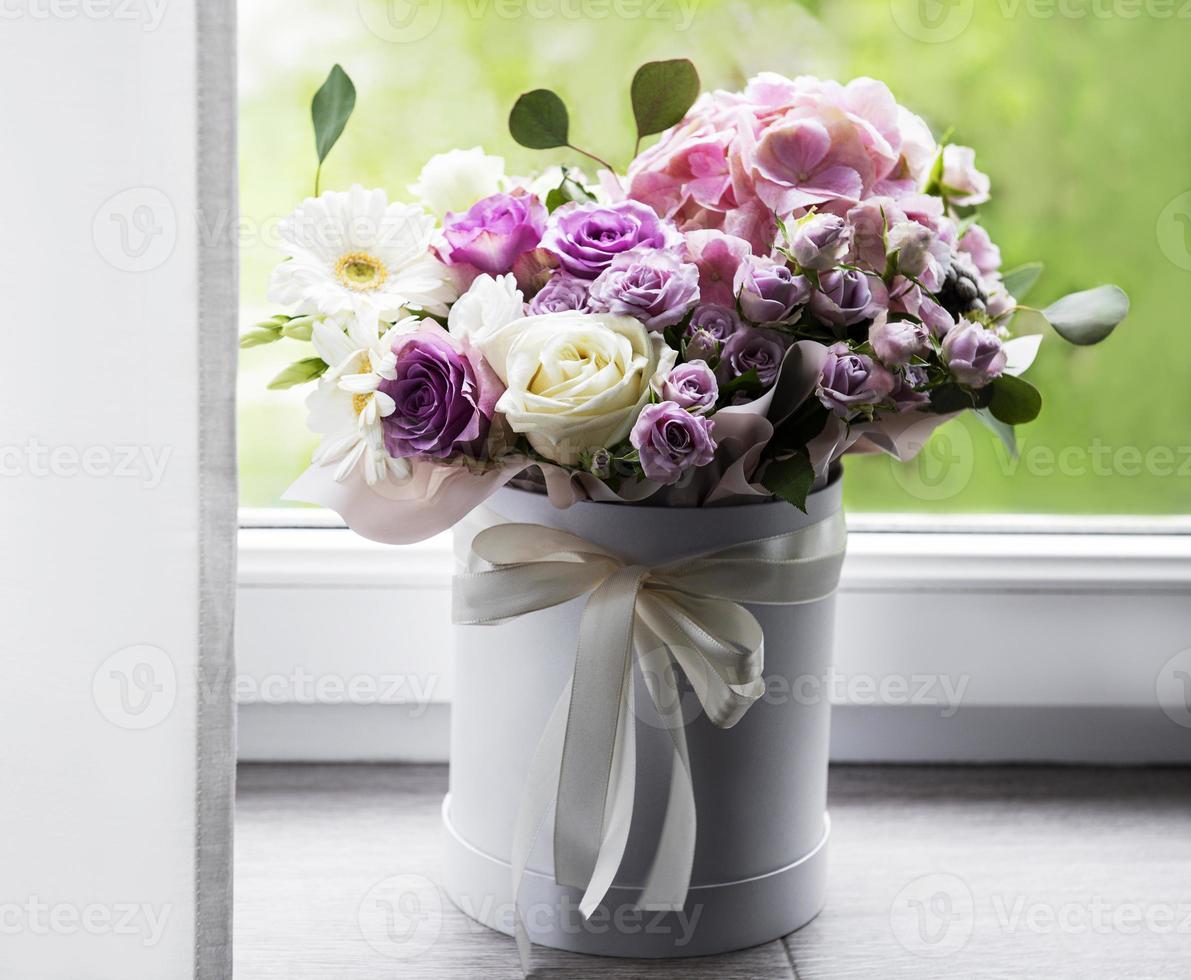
pixel 361 271
pixel 360 402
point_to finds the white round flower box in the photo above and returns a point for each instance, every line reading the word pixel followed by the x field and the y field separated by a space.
pixel 760 787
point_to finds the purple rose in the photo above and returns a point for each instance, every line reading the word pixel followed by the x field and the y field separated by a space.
pixel 561 293
pixel 587 237
pixel 756 349
pixel 820 242
pixel 851 382
pixel 692 386
pixel 905 395
pixel 703 345
pixel 896 341
pixel 844 297
pixel 444 398
pixel 494 232
pixel 657 288
pixel 719 321
pixel 973 354
pixel 670 440
pixel 769 291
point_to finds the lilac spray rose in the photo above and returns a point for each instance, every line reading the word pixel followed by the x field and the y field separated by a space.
pixel 670 441
pixel 896 341
pixel 587 237
pixel 820 242
pixel 445 397
pixel 692 386
pixel 973 354
pixel 753 349
pixel 719 321
pixel 657 288
pixel 494 232
pixel 850 382
pixel 561 292
pixel 844 298
pixel 769 291
pixel 905 395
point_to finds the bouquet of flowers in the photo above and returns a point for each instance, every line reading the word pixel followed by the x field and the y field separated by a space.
pixel 791 273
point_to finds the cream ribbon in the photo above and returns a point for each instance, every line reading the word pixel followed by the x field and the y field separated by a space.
pixel 687 613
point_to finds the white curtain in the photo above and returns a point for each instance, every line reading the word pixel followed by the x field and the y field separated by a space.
pixel 117 488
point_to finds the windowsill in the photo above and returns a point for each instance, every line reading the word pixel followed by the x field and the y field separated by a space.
pixel 944 639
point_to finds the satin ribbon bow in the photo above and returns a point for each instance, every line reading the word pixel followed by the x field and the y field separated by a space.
pixel 688 612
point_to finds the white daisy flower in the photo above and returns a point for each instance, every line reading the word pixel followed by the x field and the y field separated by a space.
pixel 347 407
pixel 354 252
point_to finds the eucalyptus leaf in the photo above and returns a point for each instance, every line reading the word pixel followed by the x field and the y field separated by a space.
pixel 1014 400
pixel 790 479
pixel 539 120
pixel 332 106
pixel 299 373
pixel 1006 433
pixel 1087 318
pixel 662 92
pixel 1020 281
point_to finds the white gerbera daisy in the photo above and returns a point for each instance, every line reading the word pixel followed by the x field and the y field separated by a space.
pixel 347 407
pixel 354 252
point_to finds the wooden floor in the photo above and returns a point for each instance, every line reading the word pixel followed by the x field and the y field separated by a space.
pixel 1012 874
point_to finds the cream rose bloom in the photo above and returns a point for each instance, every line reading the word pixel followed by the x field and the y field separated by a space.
pixel 575 381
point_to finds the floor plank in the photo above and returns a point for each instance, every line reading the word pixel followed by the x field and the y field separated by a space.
pixel 322 849
pixel 936 872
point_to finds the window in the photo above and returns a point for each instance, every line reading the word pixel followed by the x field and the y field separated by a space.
pixel 1083 177
pixel 1090 173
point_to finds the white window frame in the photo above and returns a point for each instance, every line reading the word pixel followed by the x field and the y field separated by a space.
pixel 960 639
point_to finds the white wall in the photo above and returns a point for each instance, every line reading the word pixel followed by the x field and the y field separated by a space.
pixel 98 487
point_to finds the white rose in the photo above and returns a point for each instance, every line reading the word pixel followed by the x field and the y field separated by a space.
pixel 575 381
pixel 454 181
pixel 488 305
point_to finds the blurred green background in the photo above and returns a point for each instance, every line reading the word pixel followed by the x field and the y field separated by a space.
pixel 1081 118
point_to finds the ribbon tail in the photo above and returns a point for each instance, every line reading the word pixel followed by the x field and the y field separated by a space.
pixel 618 814
pixel 535 809
pixel 603 669
pixel 669 878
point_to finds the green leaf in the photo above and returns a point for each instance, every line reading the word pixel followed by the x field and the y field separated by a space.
pixel 662 93
pixel 790 479
pixel 330 110
pixel 569 190
pixel 1014 401
pixel 299 373
pixel 539 120
pixel 1005 433
pixel 261 334
pixel 1020 281
pixel 1087 318
pixel 949 398
pixel 749 382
